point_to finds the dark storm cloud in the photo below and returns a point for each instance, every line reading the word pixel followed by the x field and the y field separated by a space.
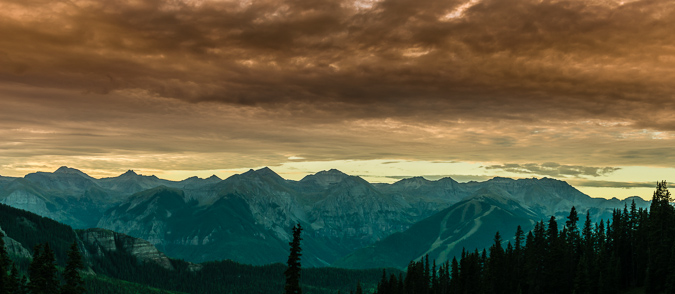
pixel 498 60
pixel 554 169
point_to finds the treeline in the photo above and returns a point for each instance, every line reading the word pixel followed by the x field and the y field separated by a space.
pixel 43 276
pixel 636 248
pixel 112 268
pixel 30 229
pixel 231 277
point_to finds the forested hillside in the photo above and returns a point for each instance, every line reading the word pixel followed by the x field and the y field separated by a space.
pixel 118 269
pixel 635 249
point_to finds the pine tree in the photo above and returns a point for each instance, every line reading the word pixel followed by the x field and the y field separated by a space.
pixel 35 270
pixel 293 271
pixel 74 283
pixel 42 271
pixel 494 269
pixel 661 236
pixel 454 286
pixel 13 281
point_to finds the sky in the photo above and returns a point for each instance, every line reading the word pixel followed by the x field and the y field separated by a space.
pixel 577 90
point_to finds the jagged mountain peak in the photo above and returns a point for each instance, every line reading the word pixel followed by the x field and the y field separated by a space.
pixel 264 172
pixel 325 178
pixel 129 173
pixel 418 179
pixel 214 177
pixel 414 182
pixel 331 172
pixel 60 172
pixel 500 180
pixel 68 170
pixel 447 179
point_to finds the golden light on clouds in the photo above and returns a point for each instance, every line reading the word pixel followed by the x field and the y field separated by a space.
pixel 169 86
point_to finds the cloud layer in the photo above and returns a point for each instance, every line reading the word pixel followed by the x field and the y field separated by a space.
pixel 188 85
pixel 523 60
pixel 554 169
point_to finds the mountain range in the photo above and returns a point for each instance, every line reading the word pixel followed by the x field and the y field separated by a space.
pixel 347 221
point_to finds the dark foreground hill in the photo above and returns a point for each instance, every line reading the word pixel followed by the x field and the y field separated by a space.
pixel 117 263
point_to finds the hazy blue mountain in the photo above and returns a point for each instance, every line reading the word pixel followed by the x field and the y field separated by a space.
pixel 198 183
pixel 130 182
pixel 224 229
pixel 548 197
pixel 4 180
pixel 247 217
pixel 425 195
pixel 471 223
pixel 57 196
pixel 73 197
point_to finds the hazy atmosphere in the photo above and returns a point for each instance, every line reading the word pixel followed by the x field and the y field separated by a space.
pixel 575 90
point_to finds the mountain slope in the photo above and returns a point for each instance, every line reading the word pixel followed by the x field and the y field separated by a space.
pixel 471 223
pixel 119 264
pixel 247 217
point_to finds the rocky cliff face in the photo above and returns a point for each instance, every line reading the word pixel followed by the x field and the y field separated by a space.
pixel 23 230
pixel 14 248
pixel 100 241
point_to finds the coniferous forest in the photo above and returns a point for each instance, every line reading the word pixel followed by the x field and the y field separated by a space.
pixel 633 250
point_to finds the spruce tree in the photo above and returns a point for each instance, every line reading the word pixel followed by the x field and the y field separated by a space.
pixel 74 283
pixel 661 234
pixel 13 282
pixel 293 271
pixel 359 290
pixel 454 286
pixel 42 271
pixel 35 270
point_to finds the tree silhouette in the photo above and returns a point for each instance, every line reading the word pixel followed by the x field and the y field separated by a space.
pixel 42 271
pixel 293 271
pixel 74 283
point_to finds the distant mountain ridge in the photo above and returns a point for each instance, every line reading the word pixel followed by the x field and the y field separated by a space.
pixel 247 217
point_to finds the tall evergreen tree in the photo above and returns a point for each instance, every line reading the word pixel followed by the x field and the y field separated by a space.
pixel 454 286
pixel 42 271
pixel 661 234
pixel 74 283
pixel 14 281
pixel 293 271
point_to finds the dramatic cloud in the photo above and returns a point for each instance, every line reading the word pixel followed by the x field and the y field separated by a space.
pixel 554 169
pixel 200 85
pixel 493 59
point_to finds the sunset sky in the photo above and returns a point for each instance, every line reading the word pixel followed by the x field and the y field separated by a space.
pixel 578 90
